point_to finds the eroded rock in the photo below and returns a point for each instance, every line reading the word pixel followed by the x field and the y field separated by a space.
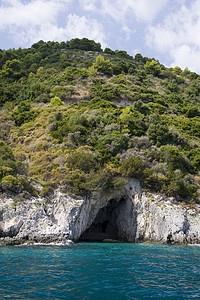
pixel 126 214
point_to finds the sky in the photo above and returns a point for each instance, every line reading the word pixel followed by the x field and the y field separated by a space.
pixel 167 30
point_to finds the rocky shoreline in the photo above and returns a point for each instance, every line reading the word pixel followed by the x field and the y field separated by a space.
pixel 126 214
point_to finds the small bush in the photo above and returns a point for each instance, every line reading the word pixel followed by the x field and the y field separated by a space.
pixel 17 185
pixel 47 191
pixel 56 101
pixel 10 181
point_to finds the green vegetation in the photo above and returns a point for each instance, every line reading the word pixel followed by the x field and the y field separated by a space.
pixel 75 116
pixel 56 101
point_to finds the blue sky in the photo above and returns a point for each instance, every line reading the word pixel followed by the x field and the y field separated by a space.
pixel 168 30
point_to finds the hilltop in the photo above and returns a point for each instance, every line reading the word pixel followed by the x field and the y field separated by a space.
pixel 81 118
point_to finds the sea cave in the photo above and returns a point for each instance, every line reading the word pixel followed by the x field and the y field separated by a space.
pixel 107 224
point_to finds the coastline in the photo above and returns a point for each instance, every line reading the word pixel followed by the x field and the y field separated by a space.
pixel 127 214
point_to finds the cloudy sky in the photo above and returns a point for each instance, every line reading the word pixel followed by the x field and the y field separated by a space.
pixel 168 30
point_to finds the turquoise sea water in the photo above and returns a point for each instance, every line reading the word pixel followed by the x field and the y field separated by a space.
pixel 100 271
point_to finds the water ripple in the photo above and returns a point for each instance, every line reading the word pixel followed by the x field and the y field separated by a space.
pixel 100 271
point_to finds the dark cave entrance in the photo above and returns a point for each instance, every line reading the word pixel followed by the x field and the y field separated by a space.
pixel 105 225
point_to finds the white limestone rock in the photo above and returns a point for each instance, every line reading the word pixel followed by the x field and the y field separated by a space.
pixel 137 216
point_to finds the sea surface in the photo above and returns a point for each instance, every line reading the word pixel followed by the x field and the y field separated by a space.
pixel 100 271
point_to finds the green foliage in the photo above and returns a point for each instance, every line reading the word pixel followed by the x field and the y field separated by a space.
pixel 17 185
pixel 101 179
pixel 194 156
pixel 10 181
pixel 84 161
pixel 109 51
pixel 191 112
pixel 84 44
pixel 119 79
pixel 23 113
pixel 193 90
pixel 9 168
pixel 152 67
pixel 6 152
pixel 8 164
pixel 113 143
pixel 174 98
pixel 107 92
pixel 102 66
pixel 151 180
pixel 132 167
pixel 47 190
pixel 174 158
pixel 98 103
pixel 172 87
pixel 75 182
pixel 177 186
pixel 158 130
pixel 133 121
pixel 56 101
pixel 11 69
pixel 83 145
pixel 119 182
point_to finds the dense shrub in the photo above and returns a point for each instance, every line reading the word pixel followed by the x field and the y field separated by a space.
pixel 153 67
pixel 114 143
pixel 174 158
pixel 132 167
pixel 84 161
pixel 133 121
pixel 8 163
pixel 24 114
pixel 102 66
pixel 84 44
pixel 158 131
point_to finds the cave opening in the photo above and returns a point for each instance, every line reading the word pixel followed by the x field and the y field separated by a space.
pixel 105 226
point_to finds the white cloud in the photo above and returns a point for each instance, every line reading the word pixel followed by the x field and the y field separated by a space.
pixel 179 36
pixel 36 20
pixel 34 13
pixel 146 10
pixel 76 26
pixel 88 4
pixel 83 27
pixel 142 10
pixel 186 56
pixel 127 32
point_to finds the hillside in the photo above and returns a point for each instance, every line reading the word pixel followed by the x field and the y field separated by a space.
pixel 80 118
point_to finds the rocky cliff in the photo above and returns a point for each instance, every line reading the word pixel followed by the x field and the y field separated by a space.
pixel 126 214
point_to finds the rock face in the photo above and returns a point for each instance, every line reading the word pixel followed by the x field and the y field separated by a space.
pixel 126 214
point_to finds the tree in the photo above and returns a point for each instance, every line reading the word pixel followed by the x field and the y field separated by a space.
pixel 109 51
pixel 158 131
pixel 84 44
pixel 152 67
pixel 23 113
pixel 102 66
pixel 132 120
pixel 12 68
pixel 139 58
